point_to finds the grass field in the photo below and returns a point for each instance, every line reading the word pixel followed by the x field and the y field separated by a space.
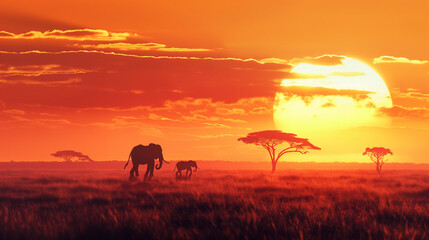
pixel 70 203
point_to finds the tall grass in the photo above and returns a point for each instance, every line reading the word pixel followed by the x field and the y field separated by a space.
pixel 74 204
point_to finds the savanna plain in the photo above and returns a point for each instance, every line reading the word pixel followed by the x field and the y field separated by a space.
pixel 96 201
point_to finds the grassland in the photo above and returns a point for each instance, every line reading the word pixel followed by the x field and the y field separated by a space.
pixel 67 203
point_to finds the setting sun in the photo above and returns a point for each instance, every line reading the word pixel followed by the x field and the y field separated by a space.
pixel 324 97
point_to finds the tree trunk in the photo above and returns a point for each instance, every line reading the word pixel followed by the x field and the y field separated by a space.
pixel 273 165
pixel 378 168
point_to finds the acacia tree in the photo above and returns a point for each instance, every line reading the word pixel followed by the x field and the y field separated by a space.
pixel 269 139
pixel 377 154
pixel 69 154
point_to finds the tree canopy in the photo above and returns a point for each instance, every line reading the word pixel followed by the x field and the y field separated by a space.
pixel 377 151
pixel 269 139
pixel 69 154
pixel 376 155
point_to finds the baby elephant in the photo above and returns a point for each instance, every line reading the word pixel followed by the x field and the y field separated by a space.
pixel 185 165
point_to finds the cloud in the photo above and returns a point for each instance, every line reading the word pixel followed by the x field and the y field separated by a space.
pixel 14 111
pixel 33 52
pixel 405 112
pixel 229 111
pixel 328 104
pixel 136 91
pixel 187 113
pixel 275 60
pixel 311 92
pixel 40 82
pixel 29 118
pixel 122 46
pixel 262 110
pixel 410 93
pixel 308 79
pixel 245 106
pixel 38 70
pixel 391 59
pixel 176 49
pixel 216 125
pixel 4 34
pixel 90 39
pixel 120 86
pixel 174 116
pixel 73 35
pixel 370 105
pixel 128 80
pixel 324 60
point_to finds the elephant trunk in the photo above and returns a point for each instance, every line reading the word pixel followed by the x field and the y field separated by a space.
pixel 161 159
pixel 195 168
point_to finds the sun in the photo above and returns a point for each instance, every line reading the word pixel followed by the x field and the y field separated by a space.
pixel 324 97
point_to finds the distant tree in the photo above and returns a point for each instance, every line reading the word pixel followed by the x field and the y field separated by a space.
pixel 69 154
pixel 377 155
pixel 269 139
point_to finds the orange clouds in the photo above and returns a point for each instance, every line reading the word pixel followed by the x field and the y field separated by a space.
pixel 123 80
pixel 73 35
pixel 406 112
pixel 413 109
pixel 75 83
pixel 37 70
pixel 12 118
pixel 41 82
pixel 411 94
pixel 141 47
pixel 391 59
pixel 324 60
pixel 308 93
pixel 328 104
pixel 87 39
pixel 273 61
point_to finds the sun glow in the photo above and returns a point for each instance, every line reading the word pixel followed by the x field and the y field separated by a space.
pixel 331 97
pixel 351 74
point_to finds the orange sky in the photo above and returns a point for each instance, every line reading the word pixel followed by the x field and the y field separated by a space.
pixel 102 76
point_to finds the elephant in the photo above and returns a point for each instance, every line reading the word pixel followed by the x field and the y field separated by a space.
pixel 182 165
pixel 141 154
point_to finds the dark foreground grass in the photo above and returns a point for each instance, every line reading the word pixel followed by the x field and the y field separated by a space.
pixel 74 204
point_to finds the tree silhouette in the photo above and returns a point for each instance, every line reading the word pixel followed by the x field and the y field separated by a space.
pixel 269 139
pixel 377 155
pixel 69 154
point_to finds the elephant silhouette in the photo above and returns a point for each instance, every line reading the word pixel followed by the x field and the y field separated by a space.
pixel 185 165
pixel 141 154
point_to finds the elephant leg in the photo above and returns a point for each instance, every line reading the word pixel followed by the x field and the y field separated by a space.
pixel 137 170
pixel 133 169
pixel 190 174
pixel 147 173
pixel 151 173
pixel 151 166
